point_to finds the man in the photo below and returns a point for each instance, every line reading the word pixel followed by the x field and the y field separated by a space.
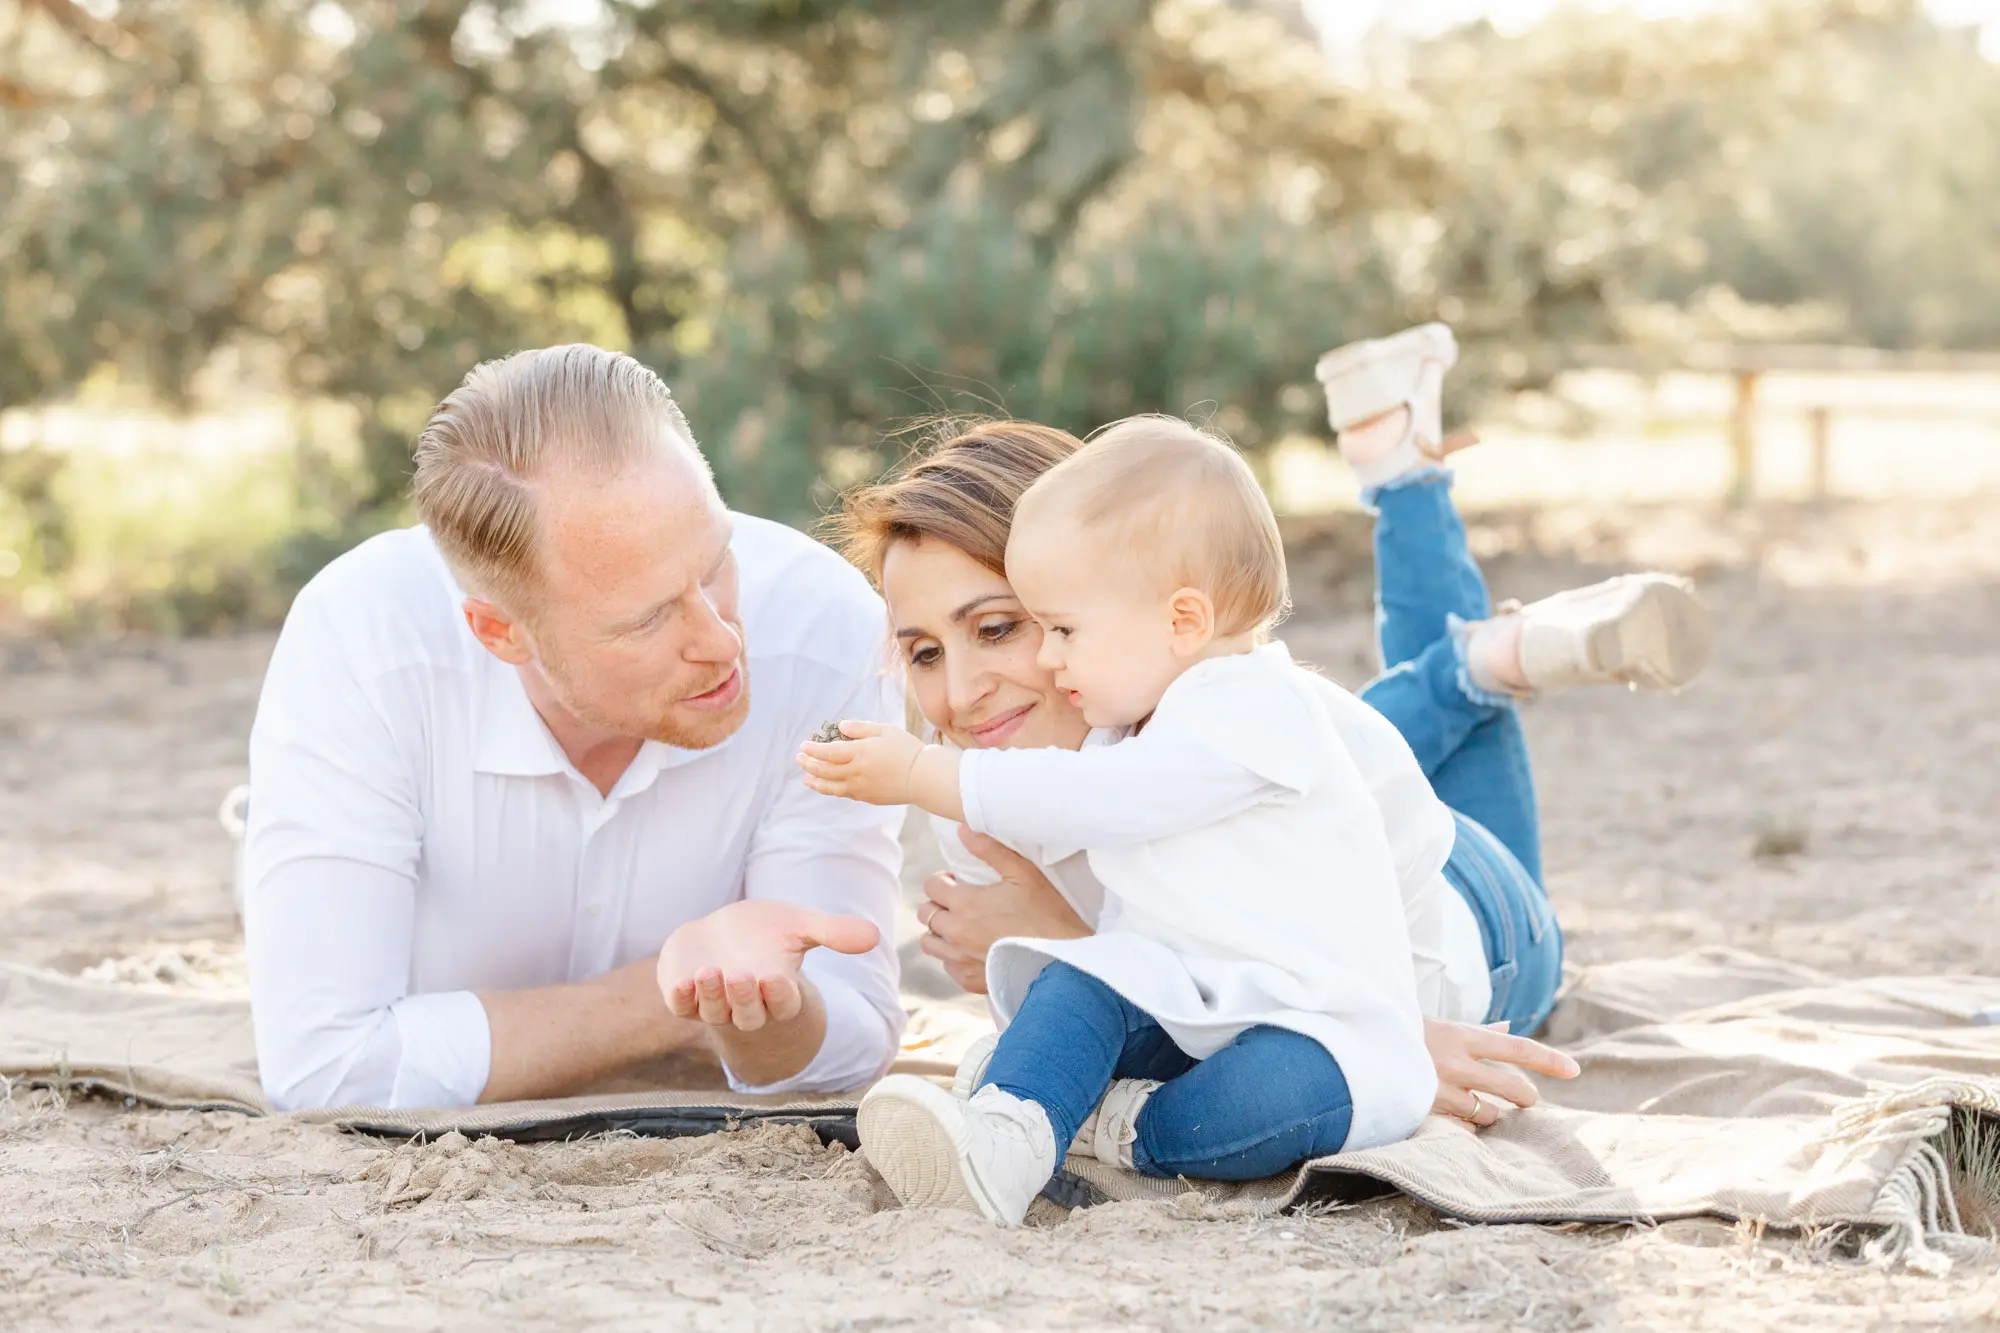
pixel 524 810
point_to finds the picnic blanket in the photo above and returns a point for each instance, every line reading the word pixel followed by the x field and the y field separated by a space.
pixel 1716 1083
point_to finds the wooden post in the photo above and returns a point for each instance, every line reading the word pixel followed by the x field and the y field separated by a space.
pixel 1743 439
pixel 1822 448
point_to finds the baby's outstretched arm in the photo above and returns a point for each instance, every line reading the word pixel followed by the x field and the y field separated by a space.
pixel 884 765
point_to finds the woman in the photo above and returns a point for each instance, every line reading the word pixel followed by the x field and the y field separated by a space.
pixel 1486 945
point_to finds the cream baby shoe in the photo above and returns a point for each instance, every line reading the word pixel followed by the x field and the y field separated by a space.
pixel 1109 1131
pixel 1648 631
pixel 1364 380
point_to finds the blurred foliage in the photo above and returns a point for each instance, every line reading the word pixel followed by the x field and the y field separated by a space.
pixel 162 530
pixel 817 219
pixel 1885 209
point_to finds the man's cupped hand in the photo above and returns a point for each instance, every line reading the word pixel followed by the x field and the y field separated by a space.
pixel 739 965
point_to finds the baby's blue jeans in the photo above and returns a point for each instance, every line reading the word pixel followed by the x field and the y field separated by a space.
pixel 1267 1101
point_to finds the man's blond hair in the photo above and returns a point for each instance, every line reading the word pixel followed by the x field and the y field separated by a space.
pixel 512 421
pixel 1179 505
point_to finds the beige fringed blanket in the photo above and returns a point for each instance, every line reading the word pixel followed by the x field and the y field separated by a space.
pixel 1717 1083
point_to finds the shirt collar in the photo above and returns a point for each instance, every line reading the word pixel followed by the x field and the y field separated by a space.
pixel 656 757
pixel 509 736
pixel 513 741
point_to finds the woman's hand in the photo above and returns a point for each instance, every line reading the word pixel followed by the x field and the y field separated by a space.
pixel 963 920
pixel 1479 1069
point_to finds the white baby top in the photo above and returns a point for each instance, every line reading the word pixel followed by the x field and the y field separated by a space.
pixel 1249 879
pixel 1448 956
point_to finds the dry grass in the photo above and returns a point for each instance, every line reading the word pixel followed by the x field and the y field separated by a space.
pixel 24 1112
pixel 1972 1150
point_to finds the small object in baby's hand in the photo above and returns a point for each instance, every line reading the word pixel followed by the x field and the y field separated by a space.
pixel 828 733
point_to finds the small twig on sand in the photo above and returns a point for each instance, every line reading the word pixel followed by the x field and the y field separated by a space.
pixel 506 1256
pixel 169 1158
pixel 185 1195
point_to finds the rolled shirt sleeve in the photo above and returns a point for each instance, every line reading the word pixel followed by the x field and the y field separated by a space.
pixel 842 857
pixel 331 861
pixel 334 1025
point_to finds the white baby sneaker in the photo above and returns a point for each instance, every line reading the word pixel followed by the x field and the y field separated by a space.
pixel 990 1155
pixel 1109 1132
pixel 973 1067
pixel 1648 631
pixel 1364 380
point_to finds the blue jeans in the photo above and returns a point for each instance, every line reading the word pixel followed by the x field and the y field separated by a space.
pixel 1266 1102
pixel 1469 741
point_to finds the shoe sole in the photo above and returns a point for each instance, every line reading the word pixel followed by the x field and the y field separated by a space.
pixel 907 1136
pixel 1661 642
pixel 1425 342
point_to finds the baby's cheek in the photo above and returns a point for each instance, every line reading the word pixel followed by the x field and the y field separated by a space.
pixel 1096 679
pixel 1113 671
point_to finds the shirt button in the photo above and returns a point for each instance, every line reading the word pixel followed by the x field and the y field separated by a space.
pixel 593 908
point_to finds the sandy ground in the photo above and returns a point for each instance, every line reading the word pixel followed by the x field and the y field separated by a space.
pixel 1849 713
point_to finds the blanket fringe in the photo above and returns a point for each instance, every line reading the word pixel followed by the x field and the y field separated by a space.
pixel 1919 1111
pixel 1921 1225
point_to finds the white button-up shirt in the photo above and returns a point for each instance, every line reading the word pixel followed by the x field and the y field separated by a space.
pixel 417 835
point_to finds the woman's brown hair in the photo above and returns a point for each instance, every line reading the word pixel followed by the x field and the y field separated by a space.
pixel 960 490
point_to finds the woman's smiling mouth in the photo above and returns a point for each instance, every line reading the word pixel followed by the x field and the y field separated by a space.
pixel 991 735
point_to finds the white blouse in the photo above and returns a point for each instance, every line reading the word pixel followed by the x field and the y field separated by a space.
pixel 1249 875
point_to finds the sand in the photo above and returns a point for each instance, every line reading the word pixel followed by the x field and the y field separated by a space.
pixel 1825 795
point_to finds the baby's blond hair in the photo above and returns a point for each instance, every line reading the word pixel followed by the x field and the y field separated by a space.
pixel 1179 504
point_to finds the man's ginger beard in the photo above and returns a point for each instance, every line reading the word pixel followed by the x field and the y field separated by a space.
pixel 699 731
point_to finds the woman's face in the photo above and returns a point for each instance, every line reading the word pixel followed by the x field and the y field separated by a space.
pixel 970 650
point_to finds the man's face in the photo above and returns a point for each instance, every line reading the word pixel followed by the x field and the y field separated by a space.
pixel 635 626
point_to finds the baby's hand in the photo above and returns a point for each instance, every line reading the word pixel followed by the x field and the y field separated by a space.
pixel 872 765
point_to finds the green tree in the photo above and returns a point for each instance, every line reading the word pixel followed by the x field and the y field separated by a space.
pixel 817 219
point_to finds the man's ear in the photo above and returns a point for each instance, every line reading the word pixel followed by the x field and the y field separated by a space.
pixel 1193 620
pixel 498 631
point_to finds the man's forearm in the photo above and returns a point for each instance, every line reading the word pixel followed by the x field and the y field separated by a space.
pixel 555 1040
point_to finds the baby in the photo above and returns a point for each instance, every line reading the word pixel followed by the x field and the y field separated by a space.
pixel 1248 1001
